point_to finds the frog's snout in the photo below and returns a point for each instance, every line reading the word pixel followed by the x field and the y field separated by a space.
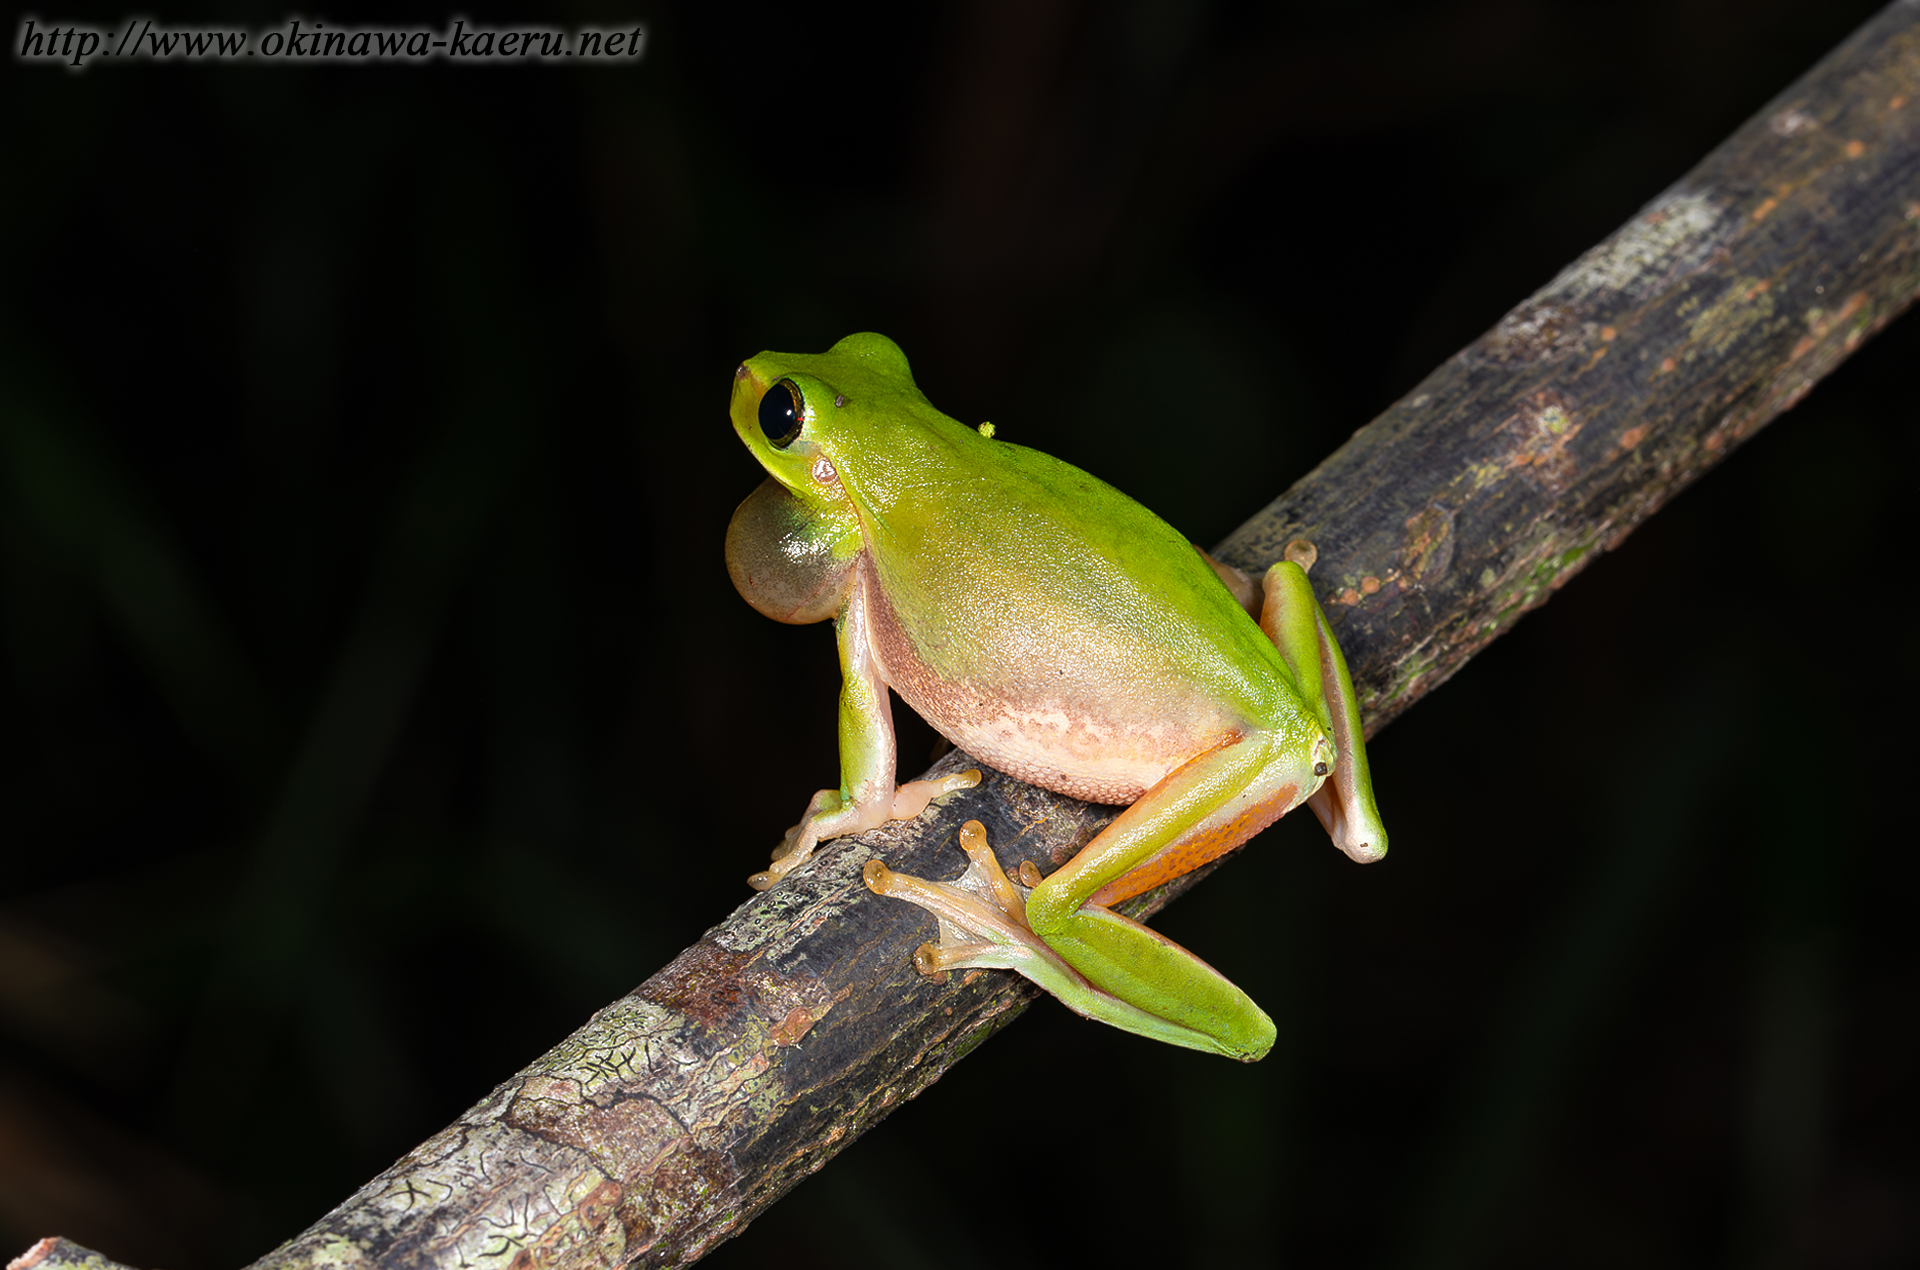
pixel 746 386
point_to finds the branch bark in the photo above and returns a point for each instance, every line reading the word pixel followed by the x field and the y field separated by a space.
pixel 681 1110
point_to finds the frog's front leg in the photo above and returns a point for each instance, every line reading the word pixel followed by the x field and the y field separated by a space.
pixel 867 797
pixel 1067 938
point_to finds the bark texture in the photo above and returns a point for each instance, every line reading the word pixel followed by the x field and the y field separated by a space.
pixel 681 1110
pixel 1621 381
pixel 61 1254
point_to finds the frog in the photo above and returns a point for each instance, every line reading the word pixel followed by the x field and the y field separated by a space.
pixel 1059 632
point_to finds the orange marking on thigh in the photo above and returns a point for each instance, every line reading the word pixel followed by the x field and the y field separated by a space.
pixel 1184 855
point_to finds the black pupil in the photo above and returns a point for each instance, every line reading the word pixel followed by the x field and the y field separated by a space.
pixel 780 414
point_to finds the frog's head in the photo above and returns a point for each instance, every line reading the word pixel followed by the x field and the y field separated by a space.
pixel 819 421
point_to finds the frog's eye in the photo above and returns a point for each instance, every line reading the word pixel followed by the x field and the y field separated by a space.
pixel 781 411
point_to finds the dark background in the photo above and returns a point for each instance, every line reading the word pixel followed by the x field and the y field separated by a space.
pixel 374 703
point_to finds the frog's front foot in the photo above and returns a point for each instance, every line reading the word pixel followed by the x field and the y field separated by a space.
pixel 798 842
pixel 785 856
pixel 829 815
pixel 982 915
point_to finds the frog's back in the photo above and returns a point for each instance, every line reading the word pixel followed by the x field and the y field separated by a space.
pixel 1070 637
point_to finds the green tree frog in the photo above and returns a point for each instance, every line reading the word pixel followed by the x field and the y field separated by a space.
pixel 1055 629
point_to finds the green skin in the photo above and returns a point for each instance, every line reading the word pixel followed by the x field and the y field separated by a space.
pixel 1054 628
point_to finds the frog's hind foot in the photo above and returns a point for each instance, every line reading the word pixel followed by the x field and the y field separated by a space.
pixel 982 915
pixel 983 925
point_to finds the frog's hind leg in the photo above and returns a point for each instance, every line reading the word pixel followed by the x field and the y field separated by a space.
pixel 1294 621
pixel 983 925
pixel 1197 813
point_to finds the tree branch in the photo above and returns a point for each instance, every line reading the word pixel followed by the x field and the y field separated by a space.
pixel 680 1111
